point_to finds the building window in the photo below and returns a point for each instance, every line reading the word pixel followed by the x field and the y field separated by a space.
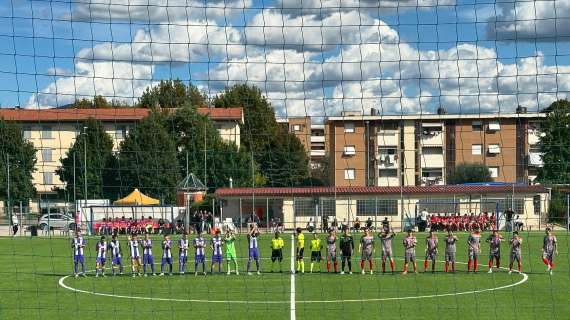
pixel 349 174
pixel 46 132
pixel 349 127
pixel 48 178
pixel 328 207
pixel 27 133
pixel 47 155
pixel 476 149
pixel 494 126
pixel 494 171
pixel 305 207
pixel 376 207
pixel 494 149
pixel 349 150
pixel 297 127
pixel 476 125
pixel 121 132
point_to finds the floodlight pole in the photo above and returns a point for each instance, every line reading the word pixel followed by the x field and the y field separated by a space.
pixel 8 188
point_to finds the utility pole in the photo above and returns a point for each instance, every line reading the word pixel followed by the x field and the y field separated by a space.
pixel 205 157
pixel 8 212
pixel 74 190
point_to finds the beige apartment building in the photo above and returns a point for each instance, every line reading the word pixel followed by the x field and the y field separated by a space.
pixel 421 150
pixel 53 131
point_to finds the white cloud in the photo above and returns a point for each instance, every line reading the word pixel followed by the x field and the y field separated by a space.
pixel 156 11
pixel 113 80
pixel 195 41
pixel 544 20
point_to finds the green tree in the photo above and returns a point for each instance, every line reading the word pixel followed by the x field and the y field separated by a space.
pixel 194 133
pixel 554 144
pixel 265 139
pixel 148 160
pixel 101 164
pixel 20 154
pixel 171 94
pixel 285 162
pixel 469 173
pixel 97 102
pixel 320 172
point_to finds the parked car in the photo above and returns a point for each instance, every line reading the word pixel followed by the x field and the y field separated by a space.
pixel 56 221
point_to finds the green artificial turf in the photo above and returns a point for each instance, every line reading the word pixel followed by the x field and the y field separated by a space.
pixel 32 268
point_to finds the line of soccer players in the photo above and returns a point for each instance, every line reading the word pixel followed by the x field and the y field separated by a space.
pixel 142 257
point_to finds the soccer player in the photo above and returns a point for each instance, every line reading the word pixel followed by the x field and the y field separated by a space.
pixel 549 249
pixel 135 255
pixel 346 249
pixel 494 241
pixel 431 251
pixel 277 245
pixel 217 244
pixel 410 243
pixel 253 248
pixel 101 249
pixel 316 246
pixel 148 258
pixel 78 245
pixel 200 253
pixel 331 251
pixel 300 250
pixel 386 238
pixel 229 241
pixel 516 243
pixel 450 250
pixel 183 253
pixel 474 249
pixel 166 255
pixel 116 255
pixel 366 250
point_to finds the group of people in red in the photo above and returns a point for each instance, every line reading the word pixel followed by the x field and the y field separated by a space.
pixel 457 222
pixel 130 226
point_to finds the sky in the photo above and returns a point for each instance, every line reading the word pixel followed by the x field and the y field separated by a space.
pixel 309 57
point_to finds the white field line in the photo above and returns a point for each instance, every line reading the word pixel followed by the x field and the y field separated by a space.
pixel 292 301
pixel 293 310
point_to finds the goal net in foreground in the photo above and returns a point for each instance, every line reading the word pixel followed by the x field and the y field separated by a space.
pixel 288 159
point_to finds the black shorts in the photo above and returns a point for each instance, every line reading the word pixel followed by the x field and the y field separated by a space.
pixel 300 253
pixel 276 255
pixel 316 256
pixel 346 255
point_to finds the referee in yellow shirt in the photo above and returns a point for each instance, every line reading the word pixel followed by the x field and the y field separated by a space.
pixel 300 250
pixel 316 246
pixel 277 245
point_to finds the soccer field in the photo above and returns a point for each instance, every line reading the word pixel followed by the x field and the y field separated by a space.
pixel 36 285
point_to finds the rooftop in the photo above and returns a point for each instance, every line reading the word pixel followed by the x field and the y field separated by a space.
pixel 510 115
pixel 320 191
pixel 106 114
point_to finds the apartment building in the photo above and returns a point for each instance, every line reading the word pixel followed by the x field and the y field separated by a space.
pixel 312 136
pixel 53 131
pixel 421 150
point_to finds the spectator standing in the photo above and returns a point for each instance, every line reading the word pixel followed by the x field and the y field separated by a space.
pixel 15 224
pixel 509 214
pixel 423 220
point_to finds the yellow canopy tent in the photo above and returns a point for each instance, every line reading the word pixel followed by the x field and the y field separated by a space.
pixel 136 198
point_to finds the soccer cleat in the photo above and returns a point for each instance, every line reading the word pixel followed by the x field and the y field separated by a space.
pixel 350 272
pixel 490 271
pixel 249 273
pixel 237 273
pixel 134 275
pixel 404 272
pixel 96 275
pixel 551 272
pixel 371 272
pixel 362 272
pixel 161 274
pixel 229 272
pixel 103 275
pixel 84 275
pixel 140 274
pixel 258 273
pixel 76 275
pixel 146 275
pixel 204 273
pixel 342 272
pixel 182 273
pixel 195 274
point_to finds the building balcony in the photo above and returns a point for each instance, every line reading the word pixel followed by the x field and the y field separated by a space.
pixel 388 138
pixel 317 139
pixel 317 153
pixel 535 159
pixel 432 138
